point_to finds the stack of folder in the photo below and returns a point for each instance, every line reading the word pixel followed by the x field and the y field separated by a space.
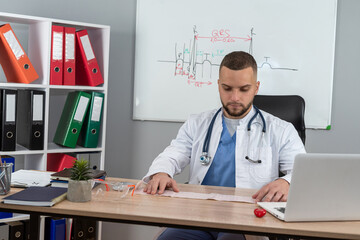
pixel 13 59
pixel 21 119
pixel 81 113
pixel 73 61
pixel 61 178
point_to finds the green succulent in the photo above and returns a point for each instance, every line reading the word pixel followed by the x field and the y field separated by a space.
pixel 80 170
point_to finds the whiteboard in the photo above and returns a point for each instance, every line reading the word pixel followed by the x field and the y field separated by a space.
pixel 180 45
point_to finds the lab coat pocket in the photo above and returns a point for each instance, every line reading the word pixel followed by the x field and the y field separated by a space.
pixel 264 171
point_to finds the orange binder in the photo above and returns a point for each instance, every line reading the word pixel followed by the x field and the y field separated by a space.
pixel 16 64
pixel 69 56
pixel 56 61
pixel 87 68
pixel 56 162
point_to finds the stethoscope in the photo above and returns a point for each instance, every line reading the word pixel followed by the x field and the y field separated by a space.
pixel 205 159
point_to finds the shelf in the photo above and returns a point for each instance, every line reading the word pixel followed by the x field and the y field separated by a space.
pixel 16 217
pixel 54 148
pixel 34 34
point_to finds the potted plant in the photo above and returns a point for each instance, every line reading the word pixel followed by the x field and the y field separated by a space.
pixel 79 187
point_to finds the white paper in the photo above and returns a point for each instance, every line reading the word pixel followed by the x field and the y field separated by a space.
pixel 69 46
pixel 28 178
pixel 10 107
pixel 57 46
pixel 194 195
pixel 95 115
pixel 14 44
pixel 85 41
pixel 38 107
pixel 80 111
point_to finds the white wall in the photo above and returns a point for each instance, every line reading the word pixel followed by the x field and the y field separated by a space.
pixel 132 145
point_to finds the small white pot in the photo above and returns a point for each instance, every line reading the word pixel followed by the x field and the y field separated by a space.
pixel 79 191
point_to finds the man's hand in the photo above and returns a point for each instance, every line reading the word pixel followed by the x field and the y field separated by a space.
pixel 276 191
pixel 160 181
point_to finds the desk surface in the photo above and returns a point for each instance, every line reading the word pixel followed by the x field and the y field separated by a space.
pixel 165 211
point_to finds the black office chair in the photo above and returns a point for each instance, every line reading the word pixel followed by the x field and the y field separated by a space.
pixel 290 108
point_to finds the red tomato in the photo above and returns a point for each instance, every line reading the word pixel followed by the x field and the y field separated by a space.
pixel 259 212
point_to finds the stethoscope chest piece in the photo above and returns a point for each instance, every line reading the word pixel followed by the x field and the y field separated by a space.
pixel 205 159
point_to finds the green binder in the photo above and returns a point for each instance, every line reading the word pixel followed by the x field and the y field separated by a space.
pixel 72 118
pixel 89 135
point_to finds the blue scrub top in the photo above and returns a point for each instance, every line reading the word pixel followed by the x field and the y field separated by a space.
pixel 222 169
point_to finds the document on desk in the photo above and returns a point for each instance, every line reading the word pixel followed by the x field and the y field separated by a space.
pixel 30 178
pixel 194 195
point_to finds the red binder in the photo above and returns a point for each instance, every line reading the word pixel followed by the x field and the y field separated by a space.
pixel 58 161
pixel 69 56
pixel 16 64
pixel 56 64
pixel 87 68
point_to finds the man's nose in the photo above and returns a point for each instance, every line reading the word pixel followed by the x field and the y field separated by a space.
pixel 235 95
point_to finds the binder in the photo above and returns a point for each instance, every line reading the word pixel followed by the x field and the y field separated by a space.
pixel 56 61
pixel 8 159
pixel 83 229
pixel 56 162
pixel 89 135
pixel 4 231
pixel 16 64
pixel 30 119
pixel 87 68
pixel 72 118
pixel 5 215
pixel 95 159
pixel 26 224
pixel 55 228
pixel 8 119
pixel 16 230
pixel 69 56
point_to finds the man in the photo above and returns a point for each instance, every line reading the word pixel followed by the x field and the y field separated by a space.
pixel 239 157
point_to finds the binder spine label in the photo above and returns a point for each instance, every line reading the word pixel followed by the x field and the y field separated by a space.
pixel 69 46
pixel 10 107
pixel 14 44
pixel 57 46
pixel 96 113
pixel 81 108
pixel 38 107
pixel 85 41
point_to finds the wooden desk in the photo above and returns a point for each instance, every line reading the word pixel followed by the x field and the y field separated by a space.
pixel 188 213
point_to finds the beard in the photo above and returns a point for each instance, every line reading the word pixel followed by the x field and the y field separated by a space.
pixel 236 113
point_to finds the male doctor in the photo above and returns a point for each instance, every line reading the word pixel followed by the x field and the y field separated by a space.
pixel 232 147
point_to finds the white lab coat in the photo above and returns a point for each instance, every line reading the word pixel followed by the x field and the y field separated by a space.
pixel 278 148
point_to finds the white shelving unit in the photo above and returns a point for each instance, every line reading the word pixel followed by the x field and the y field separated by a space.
pixel 34 34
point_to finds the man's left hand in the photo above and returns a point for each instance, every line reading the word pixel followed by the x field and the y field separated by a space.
pixel 276 191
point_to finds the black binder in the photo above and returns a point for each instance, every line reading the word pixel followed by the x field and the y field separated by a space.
pixel 8 119
pixel 16 230
pixel 30 119
pixel 26 229
pixel 83 229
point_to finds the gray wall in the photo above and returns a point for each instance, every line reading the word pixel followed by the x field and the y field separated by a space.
pixel 132 145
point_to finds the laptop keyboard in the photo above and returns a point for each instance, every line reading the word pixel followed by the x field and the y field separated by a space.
pixel 280 209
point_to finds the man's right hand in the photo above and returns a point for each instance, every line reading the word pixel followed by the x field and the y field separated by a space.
pixel 160 181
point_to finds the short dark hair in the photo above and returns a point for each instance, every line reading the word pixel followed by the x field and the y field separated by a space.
pixel 239 60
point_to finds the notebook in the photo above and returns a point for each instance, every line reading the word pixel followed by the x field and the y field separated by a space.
pixel 37 196
pixel 324 187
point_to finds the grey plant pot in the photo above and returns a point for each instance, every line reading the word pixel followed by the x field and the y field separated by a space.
pixel 79 191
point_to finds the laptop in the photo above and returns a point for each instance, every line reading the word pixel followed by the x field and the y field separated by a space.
pixel 324 187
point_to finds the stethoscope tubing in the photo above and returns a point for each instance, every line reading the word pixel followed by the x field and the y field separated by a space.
pixel 205 158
